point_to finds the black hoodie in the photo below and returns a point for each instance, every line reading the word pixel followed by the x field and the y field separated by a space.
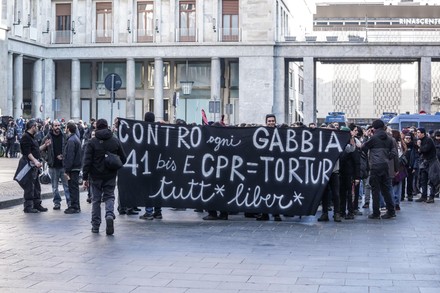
pixel 93 163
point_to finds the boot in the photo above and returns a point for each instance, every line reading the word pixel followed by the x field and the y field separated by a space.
pixel 337 217
pixel 323 218
pixel 430 200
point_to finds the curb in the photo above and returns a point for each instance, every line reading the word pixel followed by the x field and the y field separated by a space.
pixel 18 201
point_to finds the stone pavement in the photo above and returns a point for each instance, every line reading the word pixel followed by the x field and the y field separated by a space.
pixel 55 252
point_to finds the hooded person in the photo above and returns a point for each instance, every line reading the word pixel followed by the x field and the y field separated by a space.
pixel 102 178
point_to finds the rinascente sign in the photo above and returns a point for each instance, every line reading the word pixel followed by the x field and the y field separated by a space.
pixel 255 169
pixel 419 21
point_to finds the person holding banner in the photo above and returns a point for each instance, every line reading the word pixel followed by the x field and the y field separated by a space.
pixel 271 121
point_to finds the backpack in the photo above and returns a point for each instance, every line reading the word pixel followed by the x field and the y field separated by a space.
pixel 11 133
pixel 364 168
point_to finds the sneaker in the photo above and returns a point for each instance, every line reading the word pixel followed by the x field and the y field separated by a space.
pixel 430 200
pixel 323 218
pixel 31 211
pixel 410 198
pixel 366 205
pixel 95 229
pixel 57 206
pixel 71 210
pixel 421 199
pixel 157 215
pixel 388 216
pixel 349 216
pixel 109 229
pixel 40 208
pixel 223 216
pixel 374 217
pixel 337 217
pixel 358 213
pixel 131 212
pixel 277 218
pixel 210 218
pixel 146 216
pixel 263 217
pixel 397 207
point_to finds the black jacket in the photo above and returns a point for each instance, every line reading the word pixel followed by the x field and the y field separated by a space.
pixel 93 164
pixel 48 154
pixel 72 154
pixel 427 149
pixel 381 149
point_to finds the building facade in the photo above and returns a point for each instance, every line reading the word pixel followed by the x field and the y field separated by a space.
pixel 58 54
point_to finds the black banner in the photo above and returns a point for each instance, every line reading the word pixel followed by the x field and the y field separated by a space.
pixel 255 169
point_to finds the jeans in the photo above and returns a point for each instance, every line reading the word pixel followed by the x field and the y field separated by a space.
pixel 56 174
pixel 397 192
pixel 102 190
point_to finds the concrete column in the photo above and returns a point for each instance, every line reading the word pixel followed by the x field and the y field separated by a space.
pixel 309 90
pixel 75 103
pixel 280 93
pixel 48 88
pixel 215 84
pixel 425 84
pixel 37 86
pixel 18 87
pixel 10 101
pixel 158 88
pixel 131 89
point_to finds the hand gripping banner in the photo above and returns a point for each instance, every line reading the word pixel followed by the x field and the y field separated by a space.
pixel 250 169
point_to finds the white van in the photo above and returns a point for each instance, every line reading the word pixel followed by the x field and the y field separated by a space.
pixel 427 121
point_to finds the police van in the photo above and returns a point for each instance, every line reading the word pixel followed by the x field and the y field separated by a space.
pixel 427 121
pixel 336 117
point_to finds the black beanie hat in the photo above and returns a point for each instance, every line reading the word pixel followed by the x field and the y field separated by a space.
pixel 377 124
pixel 101 124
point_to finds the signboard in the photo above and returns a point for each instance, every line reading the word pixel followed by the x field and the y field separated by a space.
pixel 252 169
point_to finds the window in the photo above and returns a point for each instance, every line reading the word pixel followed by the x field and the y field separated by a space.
pixel 166 75
pixel 200 73
pixel 145 21
pixel 63 23
pixel 104 27
pixel 187 20
pixel 86 75
pixel 234 80
pixel 301 85
pixel 120 68
pixel 230 31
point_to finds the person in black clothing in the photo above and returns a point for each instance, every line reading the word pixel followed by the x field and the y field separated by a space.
pixel 349 164
pixel 72 167
pixel 102 179
pixel 428 154
pixel 411 155
pixel 381 149
pixel 30 150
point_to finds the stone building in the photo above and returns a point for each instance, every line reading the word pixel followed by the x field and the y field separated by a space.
pixel 173 57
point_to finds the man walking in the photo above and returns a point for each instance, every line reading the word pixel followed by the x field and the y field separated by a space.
pixel 102 178
pixel 53 155
pixel 381 149
pixel 72 166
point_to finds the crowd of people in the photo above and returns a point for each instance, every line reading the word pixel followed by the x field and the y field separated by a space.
pixel 379 165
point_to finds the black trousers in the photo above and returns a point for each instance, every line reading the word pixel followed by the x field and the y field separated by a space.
pixel 333 187
pixel 74 189
pixel 32 190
